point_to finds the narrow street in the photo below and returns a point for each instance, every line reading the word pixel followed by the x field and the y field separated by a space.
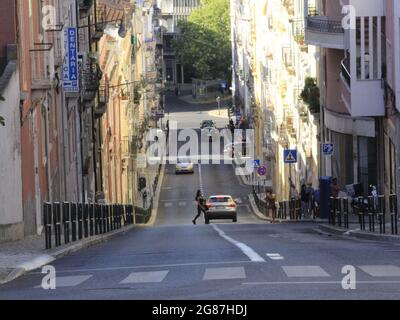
pixel 250 259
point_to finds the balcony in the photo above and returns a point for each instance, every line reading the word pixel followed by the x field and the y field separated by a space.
pixel 84 8
pixel 323 32
pixel 362 97
pixel 91 82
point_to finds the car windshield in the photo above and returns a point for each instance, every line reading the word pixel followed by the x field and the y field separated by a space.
pixel 220 199
pixel 184 160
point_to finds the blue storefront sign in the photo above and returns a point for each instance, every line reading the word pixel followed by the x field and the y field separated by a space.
pixel 70 67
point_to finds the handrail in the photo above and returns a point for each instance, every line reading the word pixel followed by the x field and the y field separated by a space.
pixel 345 72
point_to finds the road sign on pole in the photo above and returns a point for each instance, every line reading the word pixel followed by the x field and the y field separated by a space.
pixel 290 156
pixel 327 149
pixel 256 163
pixel 262 171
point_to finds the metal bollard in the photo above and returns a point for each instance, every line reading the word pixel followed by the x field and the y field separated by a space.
pixel 346 212
pixel 47 222
pixel 57 222
pixel 66 221
pixel 86 219
pixel 91 219
pixel 74 210
pixel 80 221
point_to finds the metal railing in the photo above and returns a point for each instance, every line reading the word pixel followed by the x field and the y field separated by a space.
pixel 286 210
pixel 76 221
pixel 369 213
pixel 345 68
pixel 320 24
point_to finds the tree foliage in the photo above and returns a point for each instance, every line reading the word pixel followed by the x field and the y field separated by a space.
pixel 204 45
pixel 311 95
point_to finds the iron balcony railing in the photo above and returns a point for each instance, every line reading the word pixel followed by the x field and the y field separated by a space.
pixel 321 24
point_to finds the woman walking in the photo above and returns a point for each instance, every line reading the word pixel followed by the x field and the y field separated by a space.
pixel 200 205
pixel 270 198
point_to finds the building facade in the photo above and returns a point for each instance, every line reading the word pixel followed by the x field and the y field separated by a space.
pixel 171 12
pixel 271 65
pixel 70 107
pixel 359 69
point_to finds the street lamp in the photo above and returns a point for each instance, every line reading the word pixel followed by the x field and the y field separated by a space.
pixel 121 31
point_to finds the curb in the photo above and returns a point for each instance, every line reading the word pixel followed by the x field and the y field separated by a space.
pixel 45 259
pixel 255 209
pixel 364 235
pixel 154 212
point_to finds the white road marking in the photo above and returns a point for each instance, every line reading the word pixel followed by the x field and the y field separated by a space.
pixel 304 271
pixel 275 256
pixel 381 270
pixel 168 205
pixel 177 265
pixel 145 277
pixel 69 281
pixel 224 273
pixel 182 204
pixel 253 256
pixel 201 180
pixel 316 282
pixel 239 201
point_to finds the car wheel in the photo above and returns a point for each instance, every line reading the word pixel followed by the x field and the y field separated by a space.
pixel 234 220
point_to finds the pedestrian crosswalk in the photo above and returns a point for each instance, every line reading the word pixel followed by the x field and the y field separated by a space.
pixel 281 274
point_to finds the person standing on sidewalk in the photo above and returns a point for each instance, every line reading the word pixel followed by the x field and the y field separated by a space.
pixel 200 205
pixel 310 195
pixel 270 198
pixel 304 199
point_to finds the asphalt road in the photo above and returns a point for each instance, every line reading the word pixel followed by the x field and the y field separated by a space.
pixel 250 259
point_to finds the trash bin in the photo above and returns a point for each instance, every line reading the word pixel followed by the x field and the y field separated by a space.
pixel 325 194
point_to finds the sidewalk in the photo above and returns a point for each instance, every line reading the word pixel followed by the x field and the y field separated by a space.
pixel 355 232
pixel 20 257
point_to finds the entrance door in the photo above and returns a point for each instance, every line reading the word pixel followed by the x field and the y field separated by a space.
pixel 38 207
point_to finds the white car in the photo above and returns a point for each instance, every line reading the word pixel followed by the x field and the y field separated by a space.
pixel 184 165
pixel 221 207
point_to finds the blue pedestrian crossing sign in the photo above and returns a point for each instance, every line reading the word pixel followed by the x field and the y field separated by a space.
pixel 327 149
pixel 256 163
pixel 290 156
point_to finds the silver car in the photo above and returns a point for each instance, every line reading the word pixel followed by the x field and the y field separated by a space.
pixel 221 207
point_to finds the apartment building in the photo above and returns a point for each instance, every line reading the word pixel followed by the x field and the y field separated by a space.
pixel 359 69
pixel 271 64
pixel 62 85
pixel 171 12
pixel 131 97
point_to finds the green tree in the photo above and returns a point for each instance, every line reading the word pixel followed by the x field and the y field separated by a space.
pixel 311 95
pixel 204 45
pixel 2 121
